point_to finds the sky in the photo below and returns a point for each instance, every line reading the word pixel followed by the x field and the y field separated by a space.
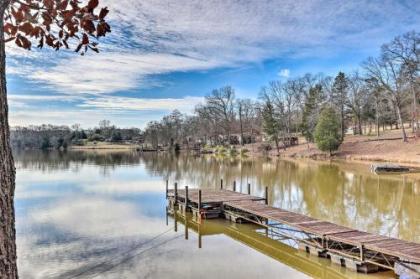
pixel 168 54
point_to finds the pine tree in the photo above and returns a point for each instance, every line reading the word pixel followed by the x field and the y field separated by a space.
pixel 271 125
pixel 327 132
pixel 339 98
pixel 310 112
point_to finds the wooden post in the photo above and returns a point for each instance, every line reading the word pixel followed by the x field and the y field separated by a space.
pixel 266 195
pixel 249 188
pixel 167 186
pixel 176 193
pixel 234 186
pixel 186 228
pixel 199 206
pixel 221 184
pixel 186 199
pixel 362 256
pixel 167 213
pixel 199 238
pixel 199 201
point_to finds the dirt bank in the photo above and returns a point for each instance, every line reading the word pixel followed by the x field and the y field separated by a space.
pixel 388 148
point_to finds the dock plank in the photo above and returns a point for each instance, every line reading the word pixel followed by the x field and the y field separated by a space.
pixel 383 244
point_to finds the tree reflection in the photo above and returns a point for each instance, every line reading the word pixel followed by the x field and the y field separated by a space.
pixel 344 193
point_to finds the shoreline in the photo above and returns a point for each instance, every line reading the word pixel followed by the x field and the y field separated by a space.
pixel 389 148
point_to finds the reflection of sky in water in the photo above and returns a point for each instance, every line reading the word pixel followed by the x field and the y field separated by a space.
pixel 85 222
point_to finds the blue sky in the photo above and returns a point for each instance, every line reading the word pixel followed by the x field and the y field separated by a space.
pixel 168 54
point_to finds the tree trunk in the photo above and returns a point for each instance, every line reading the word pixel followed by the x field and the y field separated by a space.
pixel 415 120
pixel 276 140
pixel 404 135
pixel 342 123
pixel 359 125
pixel 242 130
pixel 8 267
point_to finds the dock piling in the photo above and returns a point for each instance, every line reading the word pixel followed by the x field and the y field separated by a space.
pixel 234 186
pixel 199 206
pixel 221 184
pixel 199 201
pixel 186 229
pixel 167 188
pixel 186 199
pixel 249 188
pixel 176 193
pixel 266 195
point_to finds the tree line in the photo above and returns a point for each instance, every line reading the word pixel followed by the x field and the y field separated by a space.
pixel 60 137
pixel 383 92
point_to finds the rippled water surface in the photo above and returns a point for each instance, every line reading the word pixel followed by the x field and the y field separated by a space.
pixel 102 215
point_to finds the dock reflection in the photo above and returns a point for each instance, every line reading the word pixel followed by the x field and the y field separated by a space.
pixel 260 240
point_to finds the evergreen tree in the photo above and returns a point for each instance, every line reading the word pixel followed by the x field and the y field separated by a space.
pixel 270 123
pixel 339 98
pixel 327 132
pixel 310 112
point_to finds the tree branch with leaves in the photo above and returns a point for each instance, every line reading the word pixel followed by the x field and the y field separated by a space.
pixel 54 23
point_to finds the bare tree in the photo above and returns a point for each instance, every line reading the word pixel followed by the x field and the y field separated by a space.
pixel 246 115
pixel 389 76
pixel 357 94
pixel 405 51
pixel 220 106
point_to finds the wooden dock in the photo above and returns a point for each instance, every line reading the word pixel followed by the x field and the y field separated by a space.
pixel 354 249
pixel 261 241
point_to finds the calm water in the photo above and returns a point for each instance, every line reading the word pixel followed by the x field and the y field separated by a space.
pixel 102 215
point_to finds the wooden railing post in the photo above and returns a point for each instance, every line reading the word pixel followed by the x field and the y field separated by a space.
pixel 221 184
pixel 249 188
pixel 266 195
pixel 234 186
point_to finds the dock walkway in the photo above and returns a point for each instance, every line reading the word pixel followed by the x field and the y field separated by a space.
pixel 357 250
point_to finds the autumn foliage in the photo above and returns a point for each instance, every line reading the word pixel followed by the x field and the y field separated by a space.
pixel 56 23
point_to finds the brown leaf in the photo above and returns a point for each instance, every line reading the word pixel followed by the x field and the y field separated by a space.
pixel 88 26
pixel 26 28
pixel 85 39
pixel 103 13
pixel 63 5
pixel 23 42
pixel 92 4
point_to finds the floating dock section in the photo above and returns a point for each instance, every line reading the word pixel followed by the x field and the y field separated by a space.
pixel 389 168
pixel 356 250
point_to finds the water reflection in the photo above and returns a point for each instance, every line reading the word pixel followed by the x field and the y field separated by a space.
pixel 102 214
pixel 260 240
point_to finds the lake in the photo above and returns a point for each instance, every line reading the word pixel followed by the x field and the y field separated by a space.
pixel 102 214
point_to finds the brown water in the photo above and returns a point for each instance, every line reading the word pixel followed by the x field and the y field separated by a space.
pixel 102 215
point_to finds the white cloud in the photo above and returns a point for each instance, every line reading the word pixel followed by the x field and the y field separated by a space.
pixel 86 117
pixel 85 217
pixel 164 36
pixel 185 104
pixel 121 111
pixel 113 72
pixel 284 73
